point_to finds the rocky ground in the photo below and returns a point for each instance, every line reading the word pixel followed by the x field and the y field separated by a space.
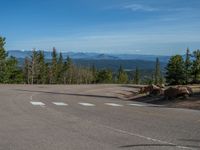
pixel 192 102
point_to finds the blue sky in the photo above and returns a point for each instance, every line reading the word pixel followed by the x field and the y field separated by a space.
pixel 163 27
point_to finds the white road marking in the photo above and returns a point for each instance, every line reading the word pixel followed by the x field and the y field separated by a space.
pixel 31 97
pixel 113 104
pixel 60 103
pixel 37 103
pixel 86 104
pixel 147 138
pixel 138 105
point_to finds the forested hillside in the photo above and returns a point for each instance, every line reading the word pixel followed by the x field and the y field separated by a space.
pixel 36 68
pixel 128 65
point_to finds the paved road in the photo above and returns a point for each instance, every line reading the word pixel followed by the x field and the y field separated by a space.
pixel 90 117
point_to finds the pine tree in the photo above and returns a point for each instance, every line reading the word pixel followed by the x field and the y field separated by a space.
pixel 196 66
pixel 9 71
pixel 3 53
pixel 187 66
pixel 12 73
pixel 3 56
pixel 60 69
pixel 105 76
pixel 175 70
pixel 122 76
pixel 136 76
pixel 54 71
pixel 43 69
pixel 68 71
pixel 27 70
pixel 65 73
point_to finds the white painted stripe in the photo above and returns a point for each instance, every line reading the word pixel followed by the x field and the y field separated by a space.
pixel 138 105
pixel 37 103
pixel 86 104
pixel 113 104
pixel 147 138
pixel 60 103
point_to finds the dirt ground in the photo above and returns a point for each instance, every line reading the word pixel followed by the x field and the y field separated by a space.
pixel 191 103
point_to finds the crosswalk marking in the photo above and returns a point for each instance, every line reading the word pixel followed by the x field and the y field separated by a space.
pixel 37 103
pixel 113 104
pixel 86 104
pixel 60 103
pixel 137 105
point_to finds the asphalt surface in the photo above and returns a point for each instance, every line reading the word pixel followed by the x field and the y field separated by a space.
pixel 90 117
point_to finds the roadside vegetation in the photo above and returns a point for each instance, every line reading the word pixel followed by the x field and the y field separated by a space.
pixel 36 70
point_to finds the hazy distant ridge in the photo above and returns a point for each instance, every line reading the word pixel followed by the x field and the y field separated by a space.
pixel 93 56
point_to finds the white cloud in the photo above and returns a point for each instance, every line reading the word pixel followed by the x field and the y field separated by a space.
pixel 137 50
pixel 139 7
pixel 147 8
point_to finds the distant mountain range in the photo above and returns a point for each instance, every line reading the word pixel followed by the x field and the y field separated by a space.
pixel 129 62
pixel 92 56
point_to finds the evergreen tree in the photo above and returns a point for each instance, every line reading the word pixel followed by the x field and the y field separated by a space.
pixel 105 76
pixel 187 66
pixel 12 73
pixel 54 71
pixel 68 71
pixel 196 66
pixel 3 56
pixel 60 69
pixel 3 53
pixel 43 69
pixel 27 70
pixel 136 76
pixel 65 73
pixel 47 70
pixel 9 71
pixel 175 70
pixel 122 76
